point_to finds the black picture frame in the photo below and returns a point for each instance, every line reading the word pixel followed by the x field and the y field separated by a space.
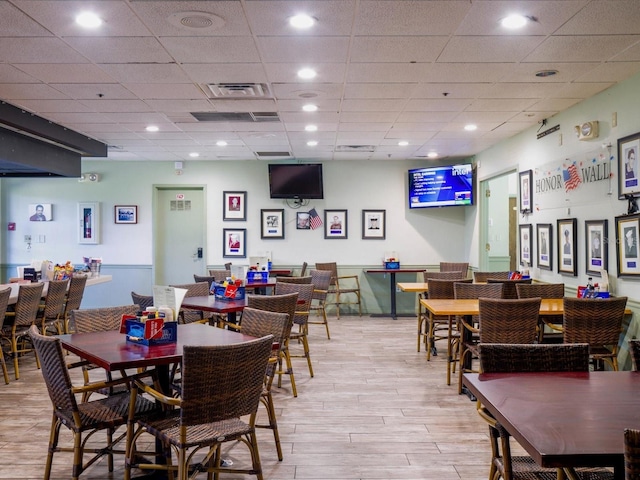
pixel 567 246
pixel 526 244
pixel 628 169
pixel 544 242
pixel 303 221
pixel 335 224
pixel 627 231
pixel 374 224
pixel 234 206
pixel 234 242
pixel 596 244
pixel 272 224
pixel 526 191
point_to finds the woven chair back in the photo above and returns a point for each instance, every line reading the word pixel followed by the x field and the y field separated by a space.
pixel 631 454
pixel 198 289
pixel 285 303
pixel 596 322
pixel 303 303
pixel 28 302
pixel 75 294
pixel 220 275
pixel 477 290
pixel 508 320
pixel 223 382
pixel 443 288
pixel 203 278
pixel 481 277
pixel 509 286
pixel 5 293
pixel 321 280
pixel 452 275
pixel 331 267
pixel 542 290
pixel 634 349
pixel 298 280
pixel 539 357
pixel 144 301
pixel 55 300
pixel 455 267
pixel 54 370
pixel 303 270
pixel 101 319
pixel 259 323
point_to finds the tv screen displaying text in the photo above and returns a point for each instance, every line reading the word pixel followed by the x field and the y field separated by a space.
pixel 449 185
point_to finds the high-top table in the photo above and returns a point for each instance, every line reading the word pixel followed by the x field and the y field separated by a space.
pixel 564 420
pixel 392 288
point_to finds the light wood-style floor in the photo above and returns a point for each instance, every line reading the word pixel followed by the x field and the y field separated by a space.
pixel 376 409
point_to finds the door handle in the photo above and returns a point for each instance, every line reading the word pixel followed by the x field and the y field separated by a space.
pixel 199 252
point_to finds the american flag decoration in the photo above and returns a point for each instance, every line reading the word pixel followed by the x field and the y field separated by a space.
pixel 314 219
pixel 571 178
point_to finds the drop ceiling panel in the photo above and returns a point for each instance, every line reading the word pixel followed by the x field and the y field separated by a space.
pixel 307 91
pixel 304 50
pixel 14 23
pixel 437 105
pixel 489 49
pixel 288 73
pixel 104 105
pixel 67 73
pixel 90 91
pixel 450 90
pixel 315 117
pixel 120 50
pixel 10 74
pixel 211 49
pixel 19 50
pixel 387 72
pixel 180 105
pixel 372 90
pixel 149 73
pixel 43 107
pixel 611 72
pixel 374 49
pixel 226 73
pixel 15 92
pixel 242 105
pixel 568 49
pixel 364 117
pixel 603 18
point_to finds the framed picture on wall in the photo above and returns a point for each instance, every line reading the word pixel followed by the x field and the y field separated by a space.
pixel 272 223
pixel 126 214
pixel 545 246
pixel 374 224
pixel 596 243
pixel 40 212
pixel 525 244
pixel 628 170
pixel 234 205
pixel 303 221
pixel 526 191
pixel 627 230
pixel 567 246
pixel 234 244
pixel 335 224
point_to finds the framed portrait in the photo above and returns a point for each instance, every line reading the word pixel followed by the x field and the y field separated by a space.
pixel 303 221
pixel 525 244
pixel 126 214
pixel 567 246
pixel 40 212
pixel 545 245
pixel 335 224
pixel 234 242
pixel 272 223
pixel 596 246
pixel 89 223
pixel 526 191
pixel 234 205
pixel 627 229
pixel 374 224
pixel 628 173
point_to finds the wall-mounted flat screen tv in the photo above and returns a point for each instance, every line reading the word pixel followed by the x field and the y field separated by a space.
pixel 444 186
pixel 296 180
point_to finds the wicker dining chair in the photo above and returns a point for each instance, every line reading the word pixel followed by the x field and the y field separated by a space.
pixel 341 286
pixel 508 320
pixel 220 275
pixel 221 387
pixel 597 322
pixel 516 358
pixel 17 323
pixel 468 328
pixel 455 267
pixel 510 285
pixel 449 275
pixel 145 301
pixel 283 304
pixel 77 285
pixel 634 349
pixel 482 277
pixel 303 269
pixel 297 280
pixel 550 326
pixel 50 314
pixel 203 278
pixel 631 454
pixel 82 419
pixel 320 280
pixel 301 317
pixel 5 293
pixel 259 323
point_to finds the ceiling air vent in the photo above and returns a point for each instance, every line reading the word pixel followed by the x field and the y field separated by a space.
pixel 236 116
pixel 239 90
pixel 273 154
pixel 355 148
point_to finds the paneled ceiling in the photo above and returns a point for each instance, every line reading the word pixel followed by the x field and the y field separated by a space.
pixel 416 71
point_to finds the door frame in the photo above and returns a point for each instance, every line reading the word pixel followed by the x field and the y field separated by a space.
pixel 156 212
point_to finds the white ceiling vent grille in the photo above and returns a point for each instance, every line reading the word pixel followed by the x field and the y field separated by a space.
pixel 239 90
pixel 236 117
pixel 355 148
pixel 273 154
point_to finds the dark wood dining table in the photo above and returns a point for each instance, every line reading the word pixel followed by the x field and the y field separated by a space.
pixel 564 420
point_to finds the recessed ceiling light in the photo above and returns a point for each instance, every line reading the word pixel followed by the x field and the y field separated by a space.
pixel 432 155
pixel 306 73
pixel 403 143
pixel 152 128
pixel 312 143
pixel 514 21
pixel 302 21
pixel 311 128
pixel 194 154
pixel 471 127
pixel 309 107
pixel 88 20
pixel 546 73
pixel 221 143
